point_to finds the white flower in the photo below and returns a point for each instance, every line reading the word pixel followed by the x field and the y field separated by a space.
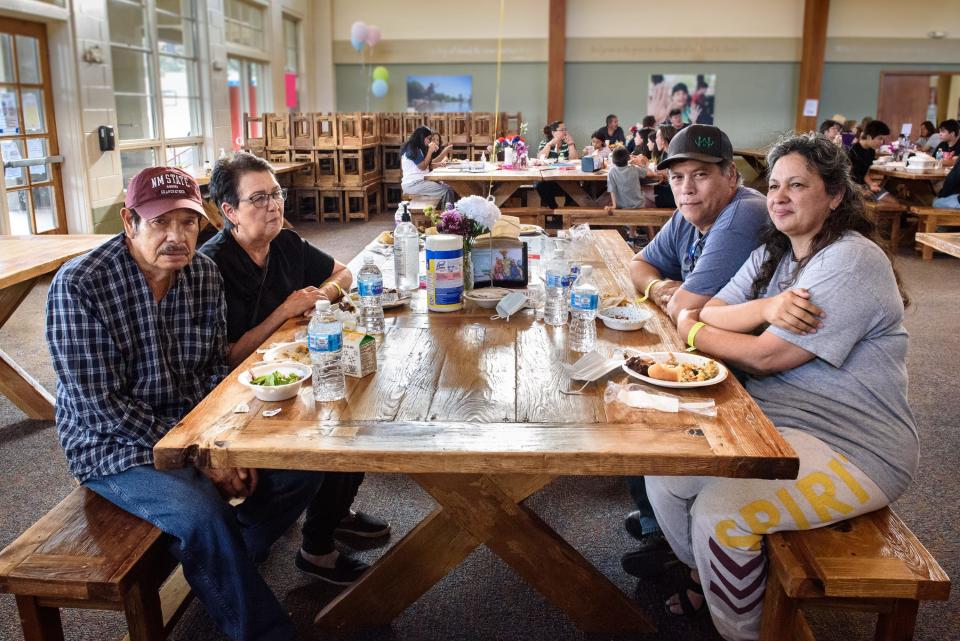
pixel 479 209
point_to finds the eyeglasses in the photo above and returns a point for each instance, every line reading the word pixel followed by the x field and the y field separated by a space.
pixel 261 201
pixel 693 253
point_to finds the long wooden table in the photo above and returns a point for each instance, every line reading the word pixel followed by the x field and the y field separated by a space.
pixel 504 183
pixel 472 409
pixel 946 243
pixel 929 179
pixel 23 261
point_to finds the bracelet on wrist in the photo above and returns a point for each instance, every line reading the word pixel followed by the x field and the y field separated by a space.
pixel 692 334
pixel 646 292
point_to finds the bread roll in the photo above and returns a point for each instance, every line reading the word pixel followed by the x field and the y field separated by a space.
pixel 664 372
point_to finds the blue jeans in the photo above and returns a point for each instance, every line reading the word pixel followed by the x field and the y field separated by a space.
pixel 217 543
pixel 638 492
pixel 948 202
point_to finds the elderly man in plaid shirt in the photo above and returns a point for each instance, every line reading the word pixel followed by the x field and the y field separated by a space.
pixel 137 331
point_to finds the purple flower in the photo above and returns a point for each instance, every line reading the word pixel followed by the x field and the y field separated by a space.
pixel 452 222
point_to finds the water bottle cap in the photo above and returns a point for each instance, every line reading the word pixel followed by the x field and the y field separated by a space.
pixel 585 270
pixel 368 260
pixel 321 305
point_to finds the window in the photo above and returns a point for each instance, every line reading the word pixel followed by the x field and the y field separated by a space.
pixel 291 67
pixel 244 24
pixel 247 85
pixel 156 84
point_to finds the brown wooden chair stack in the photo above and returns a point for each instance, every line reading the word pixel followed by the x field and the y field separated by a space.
pixel 254 135
pixel 88 553
pixel 872 563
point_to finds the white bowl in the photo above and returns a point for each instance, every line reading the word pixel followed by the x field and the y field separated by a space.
pixel 486 297
pixel 625 319
pixel 288 352
pixel 275 392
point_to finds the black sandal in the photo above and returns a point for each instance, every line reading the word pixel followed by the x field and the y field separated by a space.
pixel 687 609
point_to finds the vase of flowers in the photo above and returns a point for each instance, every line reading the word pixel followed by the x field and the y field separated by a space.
pixel 468 217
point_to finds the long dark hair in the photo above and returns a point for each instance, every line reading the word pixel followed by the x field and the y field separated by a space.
pixel 830 162
pixel 668 132
pixel 416 146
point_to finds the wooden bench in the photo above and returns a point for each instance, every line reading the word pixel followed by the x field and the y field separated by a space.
pixel 882 213
pixel 88 553
pixel 872 563
pixel 416 205
pixel 931 218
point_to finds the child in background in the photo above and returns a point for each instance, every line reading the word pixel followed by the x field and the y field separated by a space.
pixel 623 181
pixel 597 146
pixel 862 154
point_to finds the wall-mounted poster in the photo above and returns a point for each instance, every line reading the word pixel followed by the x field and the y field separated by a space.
pixel 692 94
pixel 440 93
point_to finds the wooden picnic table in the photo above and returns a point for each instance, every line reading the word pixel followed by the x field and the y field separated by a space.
pixel 946 243
pixel 23 261
pixel 928 178
pixel 506 182
pixel 473 410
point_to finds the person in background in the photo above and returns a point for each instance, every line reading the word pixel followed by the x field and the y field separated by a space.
pixel 675 119
pixel 638 143
pixel 557 142
pixel 137 331
pixel 832 130
pixel 663 194
pixel 815 319
pixel 417 156
pixel 648 122
pixel 929 138
pixel 613 132
pixel 949 142
pixel 597 146
pixel 271 275
pixel 862 154
pixel 950 192
pixel 623 181
pixel 713 231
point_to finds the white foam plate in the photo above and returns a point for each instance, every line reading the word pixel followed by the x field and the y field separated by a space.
pixel 683 357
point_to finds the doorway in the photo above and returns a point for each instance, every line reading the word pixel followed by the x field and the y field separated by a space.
pixel 28 132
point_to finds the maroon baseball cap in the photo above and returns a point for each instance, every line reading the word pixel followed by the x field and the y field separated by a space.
pixel 157 190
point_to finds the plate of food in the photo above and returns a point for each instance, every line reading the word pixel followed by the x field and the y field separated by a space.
pixel 527 229
pixel 275 381
pixel 486 297
pixel 385 238
pixel 675 369
pixel 295 351
pixel 389 300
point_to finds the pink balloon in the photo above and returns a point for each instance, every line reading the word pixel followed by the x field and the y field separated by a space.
pixel 373 35
pixel 358 31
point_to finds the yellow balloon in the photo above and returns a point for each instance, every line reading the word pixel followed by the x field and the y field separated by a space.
pixel 381 73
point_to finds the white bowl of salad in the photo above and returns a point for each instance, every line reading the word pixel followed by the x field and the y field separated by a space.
pixel 275 381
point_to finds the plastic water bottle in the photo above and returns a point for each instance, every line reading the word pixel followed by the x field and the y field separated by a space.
pixel 573 271
pixel 939 158
pixel 554 305
pixel 325 342
pixel 584 303
pixel 370 286
pixel 406 254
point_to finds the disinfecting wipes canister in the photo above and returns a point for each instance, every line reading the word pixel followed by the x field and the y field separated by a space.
pixel 444 272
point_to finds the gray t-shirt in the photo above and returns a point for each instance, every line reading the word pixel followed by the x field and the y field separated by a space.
pixel 624 184
pixel 853 394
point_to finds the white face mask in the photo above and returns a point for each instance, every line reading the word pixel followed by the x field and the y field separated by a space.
pixel 509 305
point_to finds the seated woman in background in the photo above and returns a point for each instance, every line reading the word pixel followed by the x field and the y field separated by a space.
pixel 637 145
pixel 833 130
pixel 557 143
pixel 815 318
pixel 929 138
pixel 271 275
pixel 417 157
pixel 663 194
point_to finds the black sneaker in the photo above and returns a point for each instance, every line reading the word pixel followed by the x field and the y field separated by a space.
pixel 632 525
pixel 651 559
pixel 362 525
pixel 345 571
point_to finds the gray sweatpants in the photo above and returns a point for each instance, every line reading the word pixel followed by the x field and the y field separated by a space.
pixel 716 525
pixel 443 191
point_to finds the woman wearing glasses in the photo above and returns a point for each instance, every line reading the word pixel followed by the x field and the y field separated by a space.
pixel 270 274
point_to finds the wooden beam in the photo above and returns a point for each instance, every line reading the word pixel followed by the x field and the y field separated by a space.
pixel 815 16
pixel 556 62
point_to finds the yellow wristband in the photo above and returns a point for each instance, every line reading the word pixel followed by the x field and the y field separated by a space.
pixel 339 289
pixel 693 334
pixel 646 292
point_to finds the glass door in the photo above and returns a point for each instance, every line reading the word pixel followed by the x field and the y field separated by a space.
pixel 28 133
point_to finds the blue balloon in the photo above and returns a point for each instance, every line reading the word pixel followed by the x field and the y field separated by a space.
pixel 379 88
pixel 357 44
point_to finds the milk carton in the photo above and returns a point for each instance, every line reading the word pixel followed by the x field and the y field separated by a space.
pixel 359 353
